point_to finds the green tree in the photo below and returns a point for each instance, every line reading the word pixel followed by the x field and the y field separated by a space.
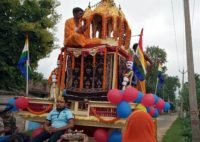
pixel 185 93
pixel 170 88
pixel 37 18
pixel 157 55
pixel 171 83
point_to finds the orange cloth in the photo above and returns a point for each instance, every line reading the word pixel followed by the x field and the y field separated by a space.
pixel 73 38
pixel 141 85
pixel 139 128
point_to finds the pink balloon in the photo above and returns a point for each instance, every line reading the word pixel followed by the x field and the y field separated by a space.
pixel 100 135
pixel 160 104
pixel 148 100
pixel 21 102
pixel 151 111
pixel 130 94
pixel 37 131
pixel 114 96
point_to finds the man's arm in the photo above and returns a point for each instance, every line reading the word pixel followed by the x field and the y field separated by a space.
pixel 68 126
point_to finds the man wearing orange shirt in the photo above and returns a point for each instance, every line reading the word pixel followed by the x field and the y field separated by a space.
pixel 74 31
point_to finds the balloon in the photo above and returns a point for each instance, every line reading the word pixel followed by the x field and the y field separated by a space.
pixel 160 104
pixel 123 109
pixel 12 101
pixel 130 94
pixel 152 110
pixel 141 107
pixel 148 109
pixel 148 100
pixel 100 135
pixel 156 98
pixel 166 106
pixel 139 97
pixel 21 102
pixel 114 96
pixel 115 136
pixel 156 113
pixel 37 131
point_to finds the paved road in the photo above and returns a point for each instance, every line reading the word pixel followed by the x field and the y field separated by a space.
pixel 164 123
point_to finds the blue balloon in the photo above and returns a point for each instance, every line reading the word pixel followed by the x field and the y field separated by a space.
pixel 139 97
pixel 156 113
pixel 148 109
pixel 115 136
pixel 123 109
pixel 11 101
pixel 166 107
pixel 156 98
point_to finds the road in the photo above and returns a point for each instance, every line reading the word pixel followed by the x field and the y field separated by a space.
pixel 164 123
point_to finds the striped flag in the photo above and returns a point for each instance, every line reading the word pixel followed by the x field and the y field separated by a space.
pixel 160 77
pixel 24 59
pixel 140 53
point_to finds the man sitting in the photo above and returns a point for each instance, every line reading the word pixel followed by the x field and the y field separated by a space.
pixel 74 31
pixel 58 121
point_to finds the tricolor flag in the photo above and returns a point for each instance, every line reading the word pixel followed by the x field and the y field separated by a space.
pixel 160 77
pixel 140 52
pixel 23 63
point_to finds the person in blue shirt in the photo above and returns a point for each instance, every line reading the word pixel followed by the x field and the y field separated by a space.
pixel 58 121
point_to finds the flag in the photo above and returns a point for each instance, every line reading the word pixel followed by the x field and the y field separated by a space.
pixel 140 52
pixel 24 59
pixel 160 77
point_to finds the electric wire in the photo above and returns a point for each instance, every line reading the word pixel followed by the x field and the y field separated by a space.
pixel 175 35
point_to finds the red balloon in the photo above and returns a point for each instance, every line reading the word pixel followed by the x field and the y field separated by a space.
pixel 100 135
pixel 21 103
pixel 130 94
pixel 37 131
pixel 148 100
pixel 114 96
pixel 151 111
pixel 160 104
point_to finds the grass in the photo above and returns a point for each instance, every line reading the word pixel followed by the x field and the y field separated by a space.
pixel 174 134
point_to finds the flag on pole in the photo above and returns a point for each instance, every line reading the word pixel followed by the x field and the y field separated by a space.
pixel 160 77
pixel 140 52
pixel 23 63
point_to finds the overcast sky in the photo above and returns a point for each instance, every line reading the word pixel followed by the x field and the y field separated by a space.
pixel 163 23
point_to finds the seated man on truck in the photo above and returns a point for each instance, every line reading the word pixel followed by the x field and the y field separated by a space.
pixel 58 121
pixel 74 31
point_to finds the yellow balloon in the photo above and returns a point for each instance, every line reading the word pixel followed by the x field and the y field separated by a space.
pixel 141 107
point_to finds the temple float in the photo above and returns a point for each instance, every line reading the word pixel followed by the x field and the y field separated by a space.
pixel 92 76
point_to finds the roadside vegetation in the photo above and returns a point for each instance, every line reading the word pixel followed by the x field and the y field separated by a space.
pixel 180 131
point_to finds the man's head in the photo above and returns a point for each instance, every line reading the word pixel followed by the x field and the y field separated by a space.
pixel 60 102
pixel 135 46
pixel 78 12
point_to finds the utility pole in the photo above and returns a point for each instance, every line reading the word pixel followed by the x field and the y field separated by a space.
pixel 181 97
pixel 192 86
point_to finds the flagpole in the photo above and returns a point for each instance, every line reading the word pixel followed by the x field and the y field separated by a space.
pixel 156 86
pixel 27 64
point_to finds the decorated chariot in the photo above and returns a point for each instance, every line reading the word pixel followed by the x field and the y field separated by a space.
pixel 93 78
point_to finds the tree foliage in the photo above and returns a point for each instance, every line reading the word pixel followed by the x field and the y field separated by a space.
pixel 37 18
pixel 185 93
pixel 171 83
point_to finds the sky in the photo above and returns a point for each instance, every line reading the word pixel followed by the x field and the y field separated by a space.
pixel 163 23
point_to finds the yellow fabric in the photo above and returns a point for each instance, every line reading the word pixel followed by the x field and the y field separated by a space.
pixel 141 107
pixel 73 38
pixel 141 85
pixel 139 128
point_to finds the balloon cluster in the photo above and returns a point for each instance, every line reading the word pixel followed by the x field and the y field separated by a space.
pixel 18 103
pixel 154 105
pixel 101 135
